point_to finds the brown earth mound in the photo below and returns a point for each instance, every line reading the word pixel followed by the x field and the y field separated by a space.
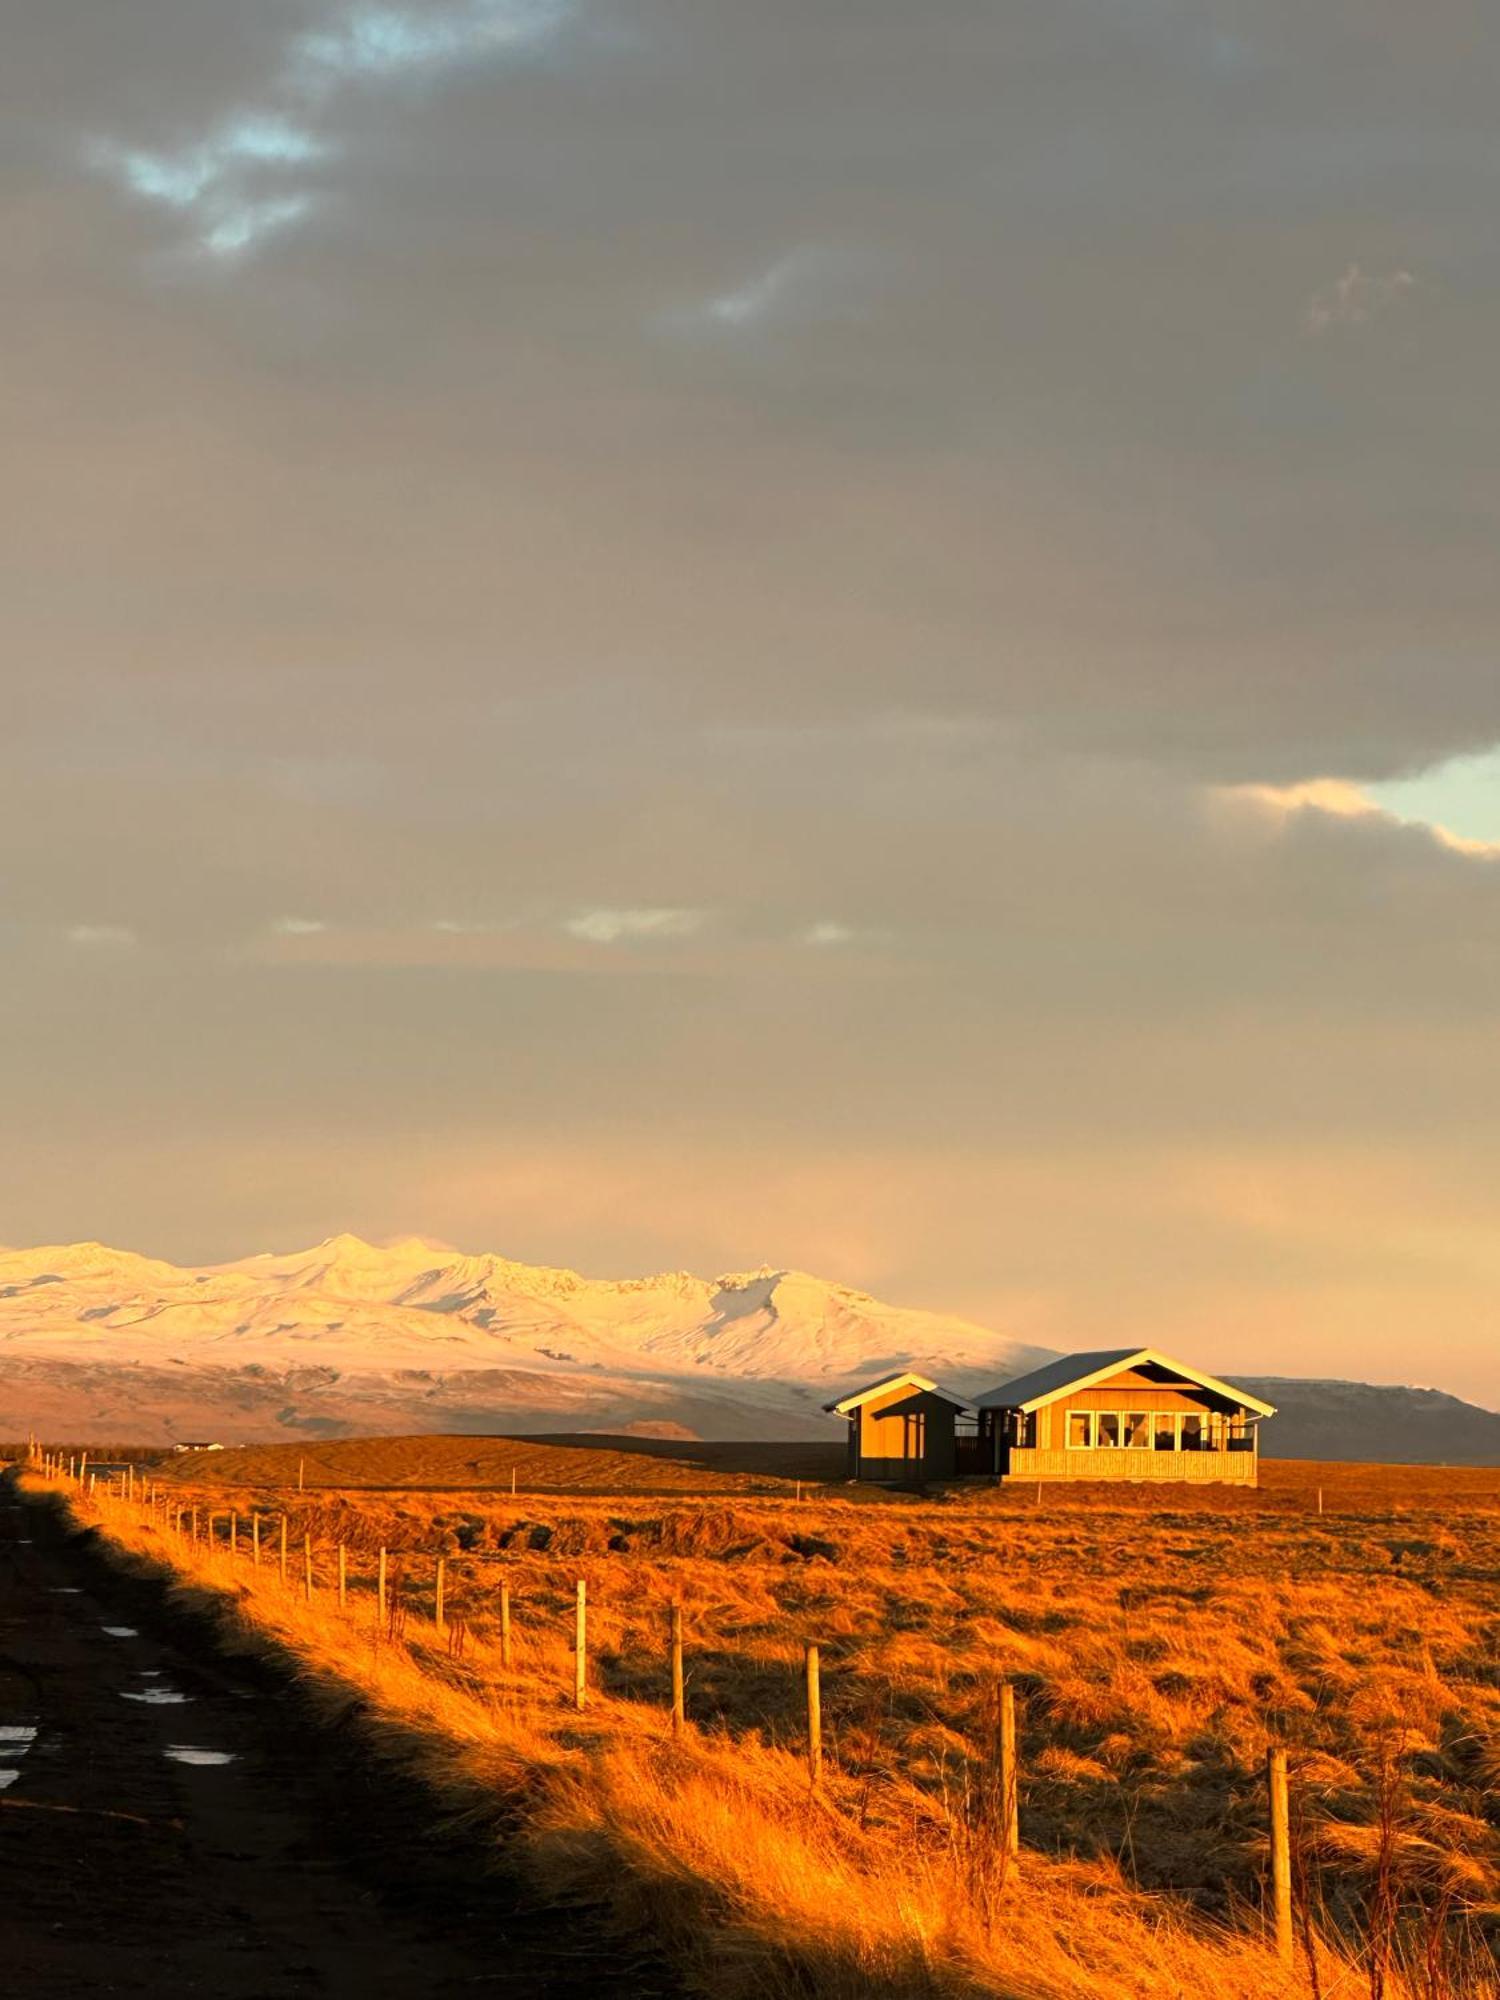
pixel 604 1465
pixel 576 1464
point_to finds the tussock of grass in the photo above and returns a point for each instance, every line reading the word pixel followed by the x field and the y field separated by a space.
pixel 1145 1725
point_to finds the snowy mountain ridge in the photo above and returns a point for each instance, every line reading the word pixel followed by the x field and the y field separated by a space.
pixel 367 1309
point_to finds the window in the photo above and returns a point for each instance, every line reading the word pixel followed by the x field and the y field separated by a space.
pixel 1165 1428
pixel 1194 1436
pixel 1138 1430
pixel 1107 1429
pixel 1080 1430
pixel 1025 1437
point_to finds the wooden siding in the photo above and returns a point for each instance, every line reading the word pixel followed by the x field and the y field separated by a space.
pixel 881 1437
pixel 1127 1396
pixel 887 1447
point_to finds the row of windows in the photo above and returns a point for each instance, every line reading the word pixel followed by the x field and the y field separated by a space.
pixel 1142 1430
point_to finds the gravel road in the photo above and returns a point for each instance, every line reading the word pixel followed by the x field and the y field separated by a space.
pixel 172 1823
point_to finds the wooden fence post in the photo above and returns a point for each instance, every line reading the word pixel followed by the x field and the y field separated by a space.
pixel 307 1576
pixel 343 1576
pixel 679 1711
pixel 234 1534
pixel 283 1548
pixel 439 1594
pixel 301 1473
pixel 380 1588
pixel 505 1626
pixel 1010 1778
pixel 1281 1854
pixel 580 1647
pixel 255 1539
pixel 814 1719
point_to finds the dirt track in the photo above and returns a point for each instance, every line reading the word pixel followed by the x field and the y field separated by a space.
pixel 288 1871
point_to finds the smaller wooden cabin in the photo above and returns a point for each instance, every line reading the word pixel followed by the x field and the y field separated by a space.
pixel 901 1428
pixel 1124 1413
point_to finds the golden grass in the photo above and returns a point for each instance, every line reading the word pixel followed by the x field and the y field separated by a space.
pixel 1157 1654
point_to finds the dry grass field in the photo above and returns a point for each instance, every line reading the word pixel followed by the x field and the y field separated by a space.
pixel 1158 1644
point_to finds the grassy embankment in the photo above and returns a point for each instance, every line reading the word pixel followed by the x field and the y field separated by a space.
pixel 1157 1649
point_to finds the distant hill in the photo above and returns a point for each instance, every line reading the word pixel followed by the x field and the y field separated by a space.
pixel 1363 1420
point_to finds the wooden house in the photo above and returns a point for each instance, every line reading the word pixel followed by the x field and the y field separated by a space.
pixel 1129 1413
pixel 902 1429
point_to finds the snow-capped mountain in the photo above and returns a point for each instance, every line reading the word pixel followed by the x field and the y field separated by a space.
pixel 415 1335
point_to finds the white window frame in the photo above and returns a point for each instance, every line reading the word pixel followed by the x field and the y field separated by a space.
pixel 1204 1421
pixel 1148 1419
pixel 1088 1417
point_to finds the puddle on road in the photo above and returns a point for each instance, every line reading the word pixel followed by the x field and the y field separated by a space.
pixel 119 1632
pixel 185 1753
pixel 63 1590
pixel 16 1738
pixel 159 1697
pixel 7 1779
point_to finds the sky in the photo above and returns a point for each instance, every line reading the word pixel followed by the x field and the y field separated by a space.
pixel 857 636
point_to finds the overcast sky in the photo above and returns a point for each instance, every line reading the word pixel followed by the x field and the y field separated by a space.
pixel 832 632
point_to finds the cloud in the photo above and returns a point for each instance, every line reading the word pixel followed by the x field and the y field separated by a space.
pixel 1355 298
pixel 757 299
pixel 1340 798
pixel 101 936
pixel 827 934
pixel 379 44
pixel 606 926
pixel 299 927
pixel 219 182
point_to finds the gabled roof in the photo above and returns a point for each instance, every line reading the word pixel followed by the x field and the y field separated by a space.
pixel 905 1378
pixel 1082 1371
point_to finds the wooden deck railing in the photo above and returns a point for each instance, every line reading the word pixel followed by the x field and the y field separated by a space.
pixel 1204 1467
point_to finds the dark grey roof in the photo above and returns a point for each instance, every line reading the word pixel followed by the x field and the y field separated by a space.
pixel 1054 1375
pixel 910 1405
